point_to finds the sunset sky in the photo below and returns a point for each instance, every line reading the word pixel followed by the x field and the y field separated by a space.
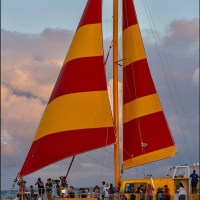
pixel 35 37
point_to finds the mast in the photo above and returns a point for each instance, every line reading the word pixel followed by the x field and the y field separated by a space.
pixel 115 93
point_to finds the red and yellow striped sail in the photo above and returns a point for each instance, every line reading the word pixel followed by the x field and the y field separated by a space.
pixel 146 135
pixel 78 116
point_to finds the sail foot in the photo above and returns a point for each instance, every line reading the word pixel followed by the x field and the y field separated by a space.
pixel 150 157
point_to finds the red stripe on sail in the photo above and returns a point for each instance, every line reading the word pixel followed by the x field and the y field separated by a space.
pixel 58 146
pixel 80 75
pixel 137 81
pixel 148 134
pixel 92 13
pixel 129 14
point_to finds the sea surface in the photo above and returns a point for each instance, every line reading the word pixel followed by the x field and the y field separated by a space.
pixel 3 193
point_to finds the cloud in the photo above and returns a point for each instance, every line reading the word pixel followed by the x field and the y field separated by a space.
pixel 33 59
pixel 5 137
pixel 195 77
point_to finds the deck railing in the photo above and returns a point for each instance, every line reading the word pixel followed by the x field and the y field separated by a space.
pixel 14 192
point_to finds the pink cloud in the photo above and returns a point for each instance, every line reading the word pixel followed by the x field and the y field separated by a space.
pixel 9 150
pixel 185 29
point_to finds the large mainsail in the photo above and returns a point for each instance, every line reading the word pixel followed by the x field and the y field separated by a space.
pixel 78 116
pixel 146 136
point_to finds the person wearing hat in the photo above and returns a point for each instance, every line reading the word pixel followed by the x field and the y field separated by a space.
pixel 194 180
pixel 166 193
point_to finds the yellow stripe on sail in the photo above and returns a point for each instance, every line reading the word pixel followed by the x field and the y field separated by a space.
pixel 149 157
pixel 133 46
pixel 87 42
pixel 84 110
pixel 142 106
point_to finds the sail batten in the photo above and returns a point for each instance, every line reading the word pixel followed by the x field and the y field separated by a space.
pixel 78 115
pixel 146 135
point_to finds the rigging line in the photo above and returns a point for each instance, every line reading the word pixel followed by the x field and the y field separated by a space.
pixel 143 170
pixel 165 74
pixel 167 63
pixel 102 168
pixel 162 48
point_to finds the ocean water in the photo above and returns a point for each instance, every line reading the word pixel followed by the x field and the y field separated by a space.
pixel 3 193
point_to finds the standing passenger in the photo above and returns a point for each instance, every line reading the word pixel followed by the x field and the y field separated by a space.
pixel 181 192
pixel 132 192
pixel 166 193
pixel 49 187
pixel 194 181
pixel 22 188
pixel 58 188
pixel 95 192
pixel 40 188
pixel 150 192
pixel 159 194
pixel 103 192
pixel 71 192
pixel 106 190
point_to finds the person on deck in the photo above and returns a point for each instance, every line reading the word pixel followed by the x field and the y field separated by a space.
pixel 106 190
pixel 150 192
pixel 166 193
pixel 40 188
pixel 71 192
pixel 103 192
pixel 181 192
pixel 49 187
pixel 58 188
pixel 64 186
pixel 22 188
pixel 33 194
pixel 194 180
pixel 96 192
pixel 132 192
pixel 159 194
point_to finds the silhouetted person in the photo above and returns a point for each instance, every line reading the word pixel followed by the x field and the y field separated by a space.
pixel 194 180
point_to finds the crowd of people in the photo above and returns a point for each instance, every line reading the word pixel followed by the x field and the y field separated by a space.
pixel 60 189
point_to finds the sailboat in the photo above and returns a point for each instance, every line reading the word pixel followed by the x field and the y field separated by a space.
pixel 79 105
